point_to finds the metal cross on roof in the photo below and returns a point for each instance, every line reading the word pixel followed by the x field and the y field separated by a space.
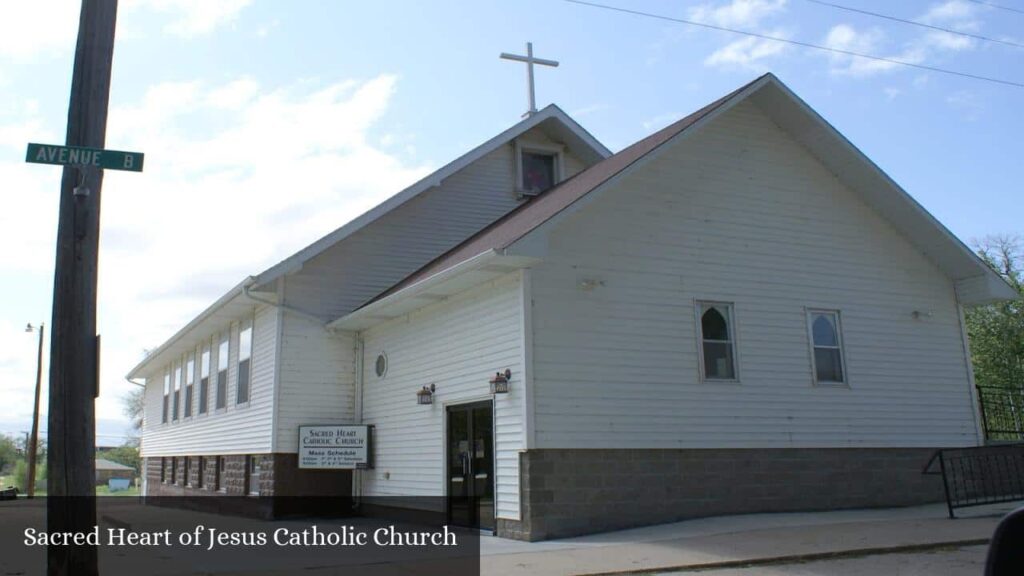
pixel 530 61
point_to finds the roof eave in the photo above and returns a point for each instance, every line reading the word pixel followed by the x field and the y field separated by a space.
pixel 237 291
pixel 483 267
pixel 295 262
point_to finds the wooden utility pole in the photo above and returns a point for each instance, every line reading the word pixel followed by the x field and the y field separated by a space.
pixel 33 441
pixel 71 502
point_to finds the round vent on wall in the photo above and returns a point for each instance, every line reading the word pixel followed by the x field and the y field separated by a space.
pixel 381 366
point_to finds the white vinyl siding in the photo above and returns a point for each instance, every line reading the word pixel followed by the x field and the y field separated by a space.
pixel 741 213
pixel 370 261
pixel 458 345
pixel 236 429
pixel 317 378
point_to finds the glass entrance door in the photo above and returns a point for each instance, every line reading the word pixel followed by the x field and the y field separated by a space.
pixel 471 465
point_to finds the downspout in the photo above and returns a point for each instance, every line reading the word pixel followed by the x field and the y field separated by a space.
pixel 357 349
pixel 145 463
pixel 975 401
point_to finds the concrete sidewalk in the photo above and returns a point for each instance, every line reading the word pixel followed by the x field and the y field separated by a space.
pixel 742 540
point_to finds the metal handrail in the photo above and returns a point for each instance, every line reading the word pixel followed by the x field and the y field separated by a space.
pixel 1002 412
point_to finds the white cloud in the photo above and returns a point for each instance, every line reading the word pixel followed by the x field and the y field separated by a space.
pixel 237 176
pixel 967 103
pixel 31 28
pixel 957 13
pixel 892 92
pixel 190 18
pixel 744 14
pixel 921 49
pixel 747 52
pixel 871 41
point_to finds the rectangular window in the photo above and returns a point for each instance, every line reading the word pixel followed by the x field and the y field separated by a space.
pixel 717 340
pixel 223 353
pixel 827 346
pixel 163 469
pixel 167 396
pixel 190 379
pixel 244 362
pixel 252 480
pixel 204 380
pixel 185 480
pixel 218 475
pixel 539 171
pixel 174 469
pixel 177 390
pixel 200 469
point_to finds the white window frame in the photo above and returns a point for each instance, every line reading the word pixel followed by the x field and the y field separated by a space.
pixel 733 332
pixel 251 324
pixel 526 146
pixel 809 320
pixel 253 462
pixel 221 463
pixel 165 417
pixel 225 363
pixel 189 386
pixel 207 351
pixel 177 404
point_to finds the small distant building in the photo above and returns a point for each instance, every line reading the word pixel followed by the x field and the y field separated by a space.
pixel 105 470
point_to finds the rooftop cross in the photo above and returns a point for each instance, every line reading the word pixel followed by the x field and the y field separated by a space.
pixel 530 61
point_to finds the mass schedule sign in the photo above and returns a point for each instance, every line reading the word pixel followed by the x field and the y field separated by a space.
pixel 334 447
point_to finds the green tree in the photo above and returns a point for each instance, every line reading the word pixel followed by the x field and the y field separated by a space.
pixel 126 454
pixel 21 476
pixel 997 330
pixel 8 453
pixel 133 406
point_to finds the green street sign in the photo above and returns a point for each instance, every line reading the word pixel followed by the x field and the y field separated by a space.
pixel 77 156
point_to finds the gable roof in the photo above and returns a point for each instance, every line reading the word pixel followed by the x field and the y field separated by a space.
pixel 585 145
pixel 976 282
pixel 241 297
pixel 104 464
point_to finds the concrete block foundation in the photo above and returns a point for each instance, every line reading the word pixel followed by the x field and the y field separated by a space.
pixel 573 492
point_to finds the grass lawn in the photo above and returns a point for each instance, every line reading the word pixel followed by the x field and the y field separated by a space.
pixel 5 481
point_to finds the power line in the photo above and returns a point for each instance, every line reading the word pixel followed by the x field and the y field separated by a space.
pixel 991 5
pixel 802 44
pixel 916 23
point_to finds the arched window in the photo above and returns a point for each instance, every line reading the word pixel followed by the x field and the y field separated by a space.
pixel 826 341
pixel 718 354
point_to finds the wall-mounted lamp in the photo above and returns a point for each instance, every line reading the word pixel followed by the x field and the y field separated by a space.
pixel 499 384
pixel 426 395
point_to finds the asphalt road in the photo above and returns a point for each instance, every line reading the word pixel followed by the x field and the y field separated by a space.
pixel 968 561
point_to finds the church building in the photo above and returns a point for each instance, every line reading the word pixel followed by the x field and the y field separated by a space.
pixel 738 313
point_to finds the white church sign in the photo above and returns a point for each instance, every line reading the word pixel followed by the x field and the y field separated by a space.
pixel 334 447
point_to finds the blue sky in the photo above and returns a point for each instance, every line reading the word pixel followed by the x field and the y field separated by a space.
pixel 267 124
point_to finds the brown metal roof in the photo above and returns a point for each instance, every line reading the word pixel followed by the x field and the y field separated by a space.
pixel 535 211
